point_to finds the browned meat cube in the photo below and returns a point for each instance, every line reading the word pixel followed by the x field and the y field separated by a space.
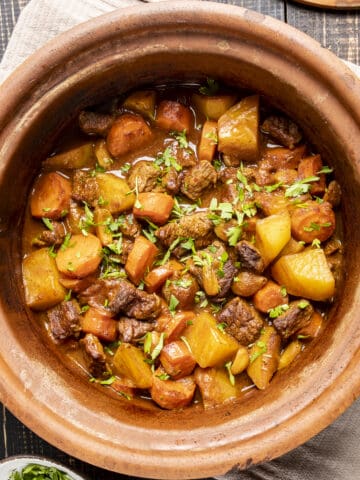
pixel 177 359
pixel 93 123
pixel 217 273
pixel 242 321
pixel 198 179
pixel 282 130
pixel 51 237
pixel 197 226
pixel 250 257
pixel 296 317
pixel 333 193
pixel 85 187
pixel 94 355
pixel 64 320
pixel 144 176
pixel 246 284
pixel 127 134
pixel 131 330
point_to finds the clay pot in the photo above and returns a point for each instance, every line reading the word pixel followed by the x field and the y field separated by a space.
pixel 180 40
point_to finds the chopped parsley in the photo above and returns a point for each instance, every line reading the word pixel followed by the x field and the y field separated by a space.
pixel 303 304
pixel 173 303
pixel 231 376
pixel 167 159
pixel 262 349
pixel 300 187
pixel 213 137
pixel 221 326
pixel 211 87
pixel 181 138
pixel 316 226
pixel 277 311
pixel 325 169
pixel 272 188
pixel 316 243
pixel 163 376
pixel 34 471
pixel 48 223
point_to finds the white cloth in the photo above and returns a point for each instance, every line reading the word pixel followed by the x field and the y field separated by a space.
pixel 333 453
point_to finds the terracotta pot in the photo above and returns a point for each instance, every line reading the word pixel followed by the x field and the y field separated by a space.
pixel 180 40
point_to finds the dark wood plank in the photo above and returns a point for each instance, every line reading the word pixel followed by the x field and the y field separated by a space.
pixel 336 30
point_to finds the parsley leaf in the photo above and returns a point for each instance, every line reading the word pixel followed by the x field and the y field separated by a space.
pixel 167 158
pixel 211 88
pixel 300 187
pixel 48 223
pixel 181 138
pixel 277 311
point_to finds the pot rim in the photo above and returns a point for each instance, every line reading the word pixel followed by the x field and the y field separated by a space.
pixel 225 455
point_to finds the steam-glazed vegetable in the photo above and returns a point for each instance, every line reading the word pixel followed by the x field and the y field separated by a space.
pixel 183 245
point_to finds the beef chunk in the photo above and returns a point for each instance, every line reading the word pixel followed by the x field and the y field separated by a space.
pixel 146 306
pixel 242 321
pixel 131 330
pixel 297 316
pixel 333 193
pixel 93 123
pixel 51 237
pixel 183 287
pixel 196 226
pixel 130 227
pixel 64 320
pixel 94 355
pixel 144 175
pixel 250 257
pixel 85 187
pixel 122 296
pixel 171 181
pixel 221 264
pixel 198 179
pixel 283 130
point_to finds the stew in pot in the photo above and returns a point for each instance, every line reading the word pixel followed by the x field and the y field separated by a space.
pixel 182 241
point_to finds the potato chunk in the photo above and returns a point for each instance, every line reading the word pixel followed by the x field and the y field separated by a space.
pixel 51 196
pixel 41 281
pixel 264 357
pixel 215 386
pixel 213 106
pixel 238 129
pixel 210 346
pixel 115 192
pixel 143 102
pixel 272 234
pixel 130 362
pixel 77 157
pixel 306 274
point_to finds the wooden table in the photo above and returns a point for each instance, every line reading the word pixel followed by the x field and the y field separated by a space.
pixel 339 31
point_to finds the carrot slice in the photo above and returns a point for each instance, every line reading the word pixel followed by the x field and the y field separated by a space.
pixel 157 277
pixel 81 257
pixel 51 196
pixel 100 324
pixel 269 296
pixel 208 141
pixel 154 206
pixel 140 259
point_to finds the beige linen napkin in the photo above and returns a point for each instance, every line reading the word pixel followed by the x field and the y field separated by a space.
pixel 334 453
